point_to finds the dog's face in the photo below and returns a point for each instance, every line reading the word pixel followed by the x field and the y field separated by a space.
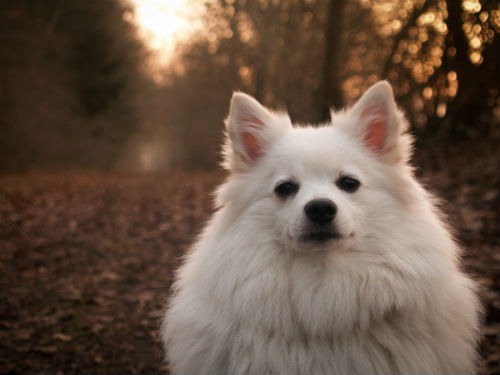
pixel 316 187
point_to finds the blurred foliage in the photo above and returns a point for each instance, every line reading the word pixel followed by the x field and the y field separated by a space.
pixel 69 71
pixel 442 58
pixel 75 90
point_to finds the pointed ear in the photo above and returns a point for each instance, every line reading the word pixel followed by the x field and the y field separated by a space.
pixel 251 128
pixel 379 122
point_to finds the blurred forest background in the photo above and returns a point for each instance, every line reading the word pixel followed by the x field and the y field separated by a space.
pixel 78 90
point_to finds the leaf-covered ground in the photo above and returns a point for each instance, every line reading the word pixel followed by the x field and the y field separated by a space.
pixel 86 260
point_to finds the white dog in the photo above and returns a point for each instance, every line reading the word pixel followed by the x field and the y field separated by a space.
pixel 325 256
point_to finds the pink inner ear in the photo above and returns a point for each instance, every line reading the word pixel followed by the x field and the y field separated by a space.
pixel 375 132
pixel 375 135
pixel 252 147
pixel 250 141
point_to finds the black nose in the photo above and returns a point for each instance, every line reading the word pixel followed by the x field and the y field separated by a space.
pixel 320 211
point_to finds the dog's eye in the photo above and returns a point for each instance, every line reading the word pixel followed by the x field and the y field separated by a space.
pixel 286 189
pixel 348 184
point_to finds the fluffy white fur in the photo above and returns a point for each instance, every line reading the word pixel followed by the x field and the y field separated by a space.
pixel 385 297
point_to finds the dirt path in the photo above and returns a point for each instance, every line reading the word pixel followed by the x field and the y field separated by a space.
pixel 86 261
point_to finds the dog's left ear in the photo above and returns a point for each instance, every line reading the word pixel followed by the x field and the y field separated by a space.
pixel 251 129
pixel 380 124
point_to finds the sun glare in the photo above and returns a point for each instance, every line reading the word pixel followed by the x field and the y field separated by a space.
pixel 162 24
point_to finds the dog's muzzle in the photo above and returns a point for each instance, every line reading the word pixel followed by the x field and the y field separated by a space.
pixel 320 214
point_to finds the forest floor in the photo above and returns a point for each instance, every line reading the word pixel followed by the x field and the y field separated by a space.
pixel 86 259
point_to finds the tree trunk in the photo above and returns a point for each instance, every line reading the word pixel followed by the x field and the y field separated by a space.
pixel 474 80
pixel 330 91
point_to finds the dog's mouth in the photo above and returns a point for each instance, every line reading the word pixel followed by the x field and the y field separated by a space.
pixel 320 236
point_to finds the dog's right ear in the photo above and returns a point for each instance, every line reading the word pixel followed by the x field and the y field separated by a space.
pixel 251 129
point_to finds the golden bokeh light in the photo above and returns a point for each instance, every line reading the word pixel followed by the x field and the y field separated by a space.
pixel 162 24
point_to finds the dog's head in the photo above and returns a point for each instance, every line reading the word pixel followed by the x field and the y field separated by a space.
pixel 317 187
